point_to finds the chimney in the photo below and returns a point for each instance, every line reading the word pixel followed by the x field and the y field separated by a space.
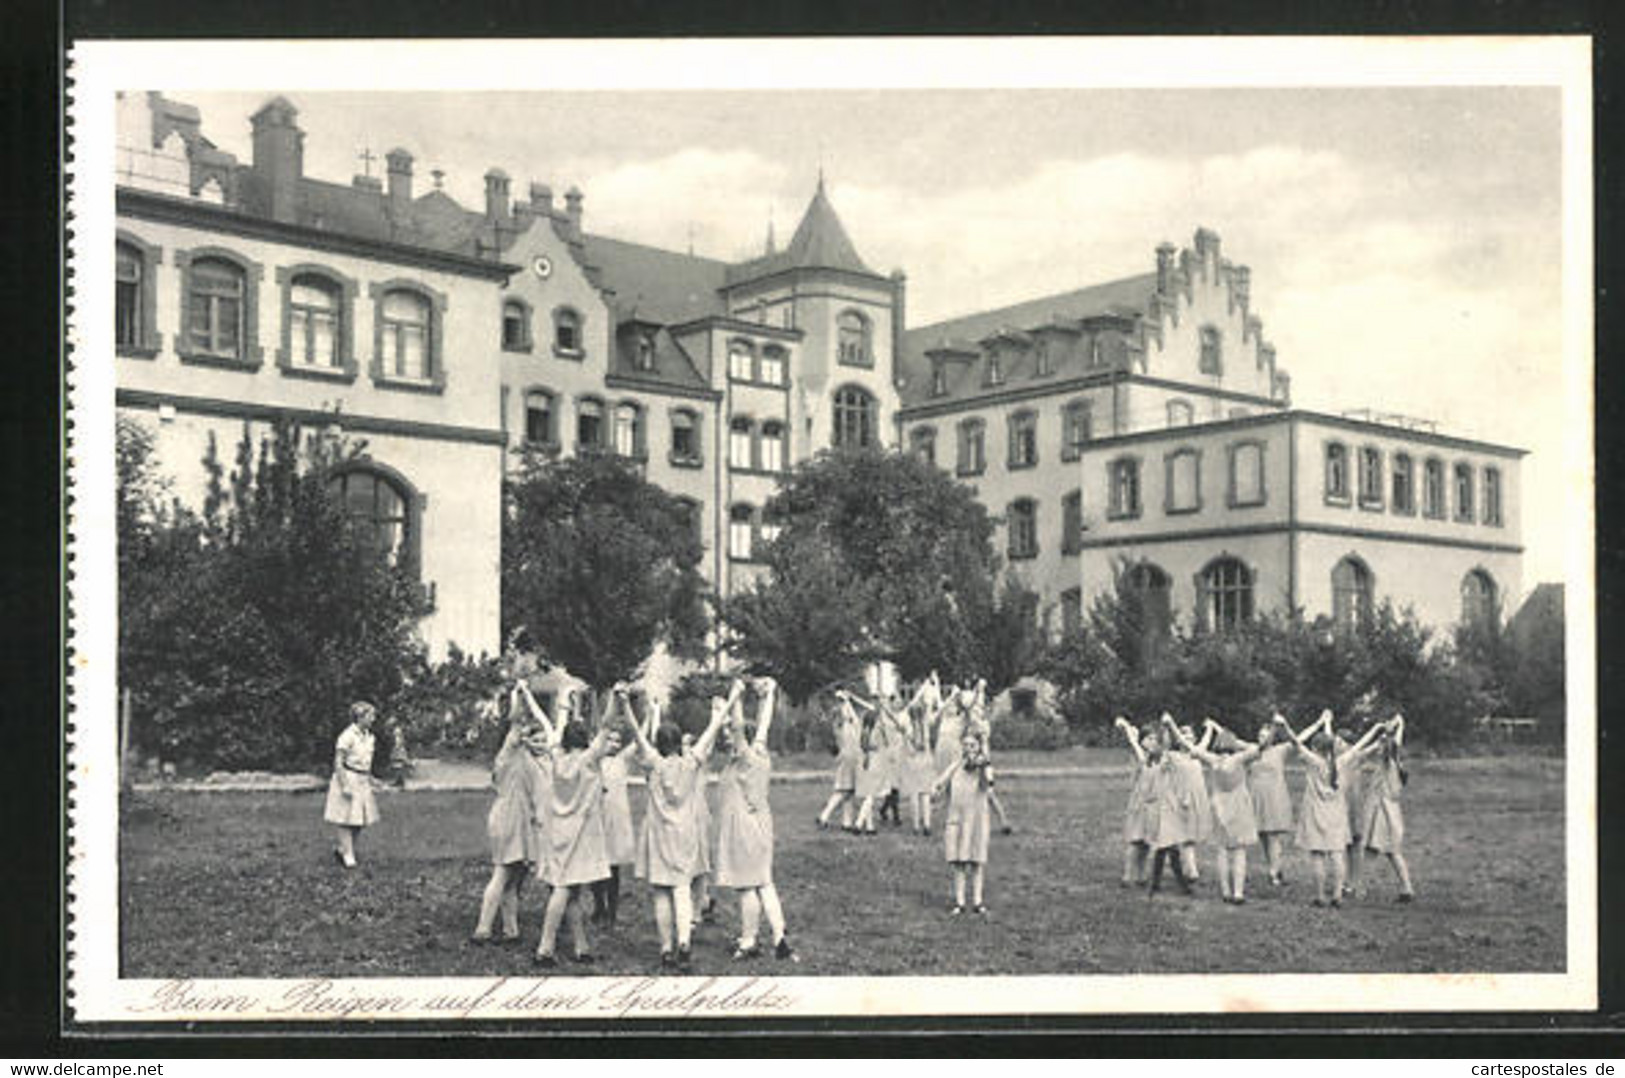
pixel 1165 268
pixel 1241 283
pixel 279 156
pixel 572 209
pixel 1207 243
pixel 541 199
pixel 496 195
pixel 400 178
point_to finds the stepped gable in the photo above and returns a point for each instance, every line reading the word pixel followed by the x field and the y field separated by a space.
pixel 820 242
pixel 1127 298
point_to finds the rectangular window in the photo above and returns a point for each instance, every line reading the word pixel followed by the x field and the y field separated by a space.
pixel 741 364
pixel 1492 496
pixel 1184 478
pixel 773 366
pixel 685 442
pixel 739 533
pixel 1072 611
pixel 1433 489
pixel 1337 472
pixel 1075 423
pixel 1125 489
pixel 739 444
pixel 972 448
pixel 127 299
pixel 1370 477
pixel 1072 522
pixel 939 379
pixel 1023 524
pixel 1464 493
pixel 1246 474
pixel 1404 492
pixel 772 449
pixel 1023 440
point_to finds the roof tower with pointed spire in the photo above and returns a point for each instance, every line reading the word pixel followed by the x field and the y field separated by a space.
pixel 820 242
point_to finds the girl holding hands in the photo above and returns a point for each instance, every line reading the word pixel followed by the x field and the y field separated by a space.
pixel 1272 804
pixel 510 826
pixel 577 855
pixel 1383 824
pixel 1234 824
pixel 848 761
pixel 1323 826
pixel 1139 820
pixel 744 858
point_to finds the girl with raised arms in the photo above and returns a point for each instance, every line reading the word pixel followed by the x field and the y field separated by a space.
pixel 744 860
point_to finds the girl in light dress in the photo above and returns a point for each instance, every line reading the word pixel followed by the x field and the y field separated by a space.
pixel 883 735
pixel 1323 812
pixel 1191 787
pixel 511 826
pixel 702 902
pixel 350 802
pixel 670 840
pixel 1272 804
pixel 1139 815
pixel 619 845
pixel 576 855
pixel 965 827
pixel 1383 827
pixel 968 711
pixel 848 728
pixel 744 857
pixel 917 774
pixel 1235 826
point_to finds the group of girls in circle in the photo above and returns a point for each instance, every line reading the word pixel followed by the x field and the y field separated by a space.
pixel 1350 805
pixel 562 814
pixel 888 751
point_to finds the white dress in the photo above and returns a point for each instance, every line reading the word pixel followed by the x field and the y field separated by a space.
pixel 350 802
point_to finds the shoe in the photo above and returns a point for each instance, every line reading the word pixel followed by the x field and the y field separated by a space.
pixel 927 832
pixel 1007 830
pixel 783 951
pixel 1336 903
pixel 545 961
pixel 1241 900
pixel 820 823
pixel 685 959
pixel 667 961
pixel 709 914
pixel 1405 898
pixel 1319 903
pixel 481 941
pixel 979 910
pixel 338 855
pixel 956 911
pixel 583 959
pixel 743 953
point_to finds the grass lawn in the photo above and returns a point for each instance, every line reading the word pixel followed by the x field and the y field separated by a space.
pixel 244 885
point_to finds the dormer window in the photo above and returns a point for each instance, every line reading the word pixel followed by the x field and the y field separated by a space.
pixel 1043 362
pixel 995 368
pixel 645 352
pixel 939 379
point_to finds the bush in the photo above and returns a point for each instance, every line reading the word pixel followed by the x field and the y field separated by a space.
pixel 1029 732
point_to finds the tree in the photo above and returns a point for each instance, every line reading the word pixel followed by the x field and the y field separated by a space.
pixel 246 631
pixel 599 566
pixel 881 556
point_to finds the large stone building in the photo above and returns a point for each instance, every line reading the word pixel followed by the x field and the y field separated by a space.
pixel 1138 425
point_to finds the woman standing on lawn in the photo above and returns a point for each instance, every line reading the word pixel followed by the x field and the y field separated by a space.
pixel 575 822
pixel 968 820
pixel 1234 825
pixel 848 729
pixel 670 841
pixel 350 801
pixel 510 826
pixel 1272 804
pixel 1323 823
pixel 1383 828
pixel 745 825
pixel 1139 819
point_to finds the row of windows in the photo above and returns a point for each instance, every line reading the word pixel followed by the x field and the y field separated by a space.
pixel 1401 487
pixel 1225 588
pixel 755 446
pixel 1046 348
pixel 567 325
pixel 769 366
pixel 1022 431
pixel 750 530
pixel 622 429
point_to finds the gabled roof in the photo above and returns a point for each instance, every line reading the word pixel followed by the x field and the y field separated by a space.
pixel 657 285
pixel 1127 297
pixel 672 364
pixel 820 242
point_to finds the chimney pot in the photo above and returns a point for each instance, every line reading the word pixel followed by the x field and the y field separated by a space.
pixel 1207 243
pixel 1165 267
pixel 496 195
pixel 572 209
pixel 399 164
pixel 541 199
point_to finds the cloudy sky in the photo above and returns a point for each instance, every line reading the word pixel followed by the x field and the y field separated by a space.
pixel 1405 243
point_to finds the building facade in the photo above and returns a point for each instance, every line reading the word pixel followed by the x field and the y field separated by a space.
pixel 1141 425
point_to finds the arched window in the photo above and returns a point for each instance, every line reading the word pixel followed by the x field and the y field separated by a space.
pixel 1022 521
pixel 515 326
pixel 1479 606
pixel 1464 493
pixel 740 528
pixel 771 447
pixel 1211 360
pixel 1075 422
pixel 1433 489
pixel 741 362
pixel 539 418
pixel 589 424
pixel 972 447
pixel 1246 474
pixel 567 331
pixel 379 510
pixel 857 423
pixel 1370 476
pixel 314 306
pixel 1337 472
pixel 1404 478
pixel 1351 594
pixel 1124 473
pixel 130 283
pixel 404 335
pixel 852 338
pixel 1224 594
pixel 1023 439
pixel 628 430
pixel 922 442
pixel 772 371
pixel 1149 594
pixel 1180 413
pixel 740 437
pixel 215 304
pixel 685 437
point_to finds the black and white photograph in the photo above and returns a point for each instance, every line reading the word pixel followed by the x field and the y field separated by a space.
pixel 607 530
